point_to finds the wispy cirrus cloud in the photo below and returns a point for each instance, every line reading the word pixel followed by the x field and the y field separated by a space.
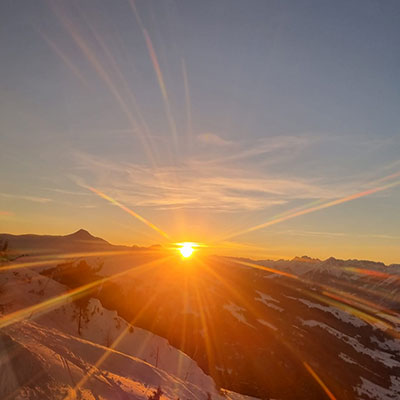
pixel 212 139
pixel 274 147
pixel 235 176
pixel 338 234
pixel 67 192
pixel 35 199
pixel 197 185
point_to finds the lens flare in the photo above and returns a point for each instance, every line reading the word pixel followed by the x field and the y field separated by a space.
pixel 186 249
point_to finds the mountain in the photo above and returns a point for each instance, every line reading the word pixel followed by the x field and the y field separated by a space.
pixel 263 326
pixel 79 241
pixel 374 281
pixel 268 329
pixel 47 244
pixel 46 357
pixel 84 235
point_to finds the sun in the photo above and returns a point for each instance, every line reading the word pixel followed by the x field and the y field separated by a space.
pixel 186 249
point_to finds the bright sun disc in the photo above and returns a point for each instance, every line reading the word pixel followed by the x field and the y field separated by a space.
pixel 186 249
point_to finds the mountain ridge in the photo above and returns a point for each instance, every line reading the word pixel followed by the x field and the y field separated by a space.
pixel 83 235
pixel 316 311
pixel 78 241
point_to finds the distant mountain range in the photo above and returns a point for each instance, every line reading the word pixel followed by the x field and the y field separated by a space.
pixel 78 241
pixel 85 241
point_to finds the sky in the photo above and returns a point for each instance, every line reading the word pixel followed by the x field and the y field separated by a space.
pixel 266 129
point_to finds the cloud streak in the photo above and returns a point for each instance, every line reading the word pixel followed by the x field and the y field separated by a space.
pixel 196 185
pixel 238 176
pixel 274 147
pixel 338 234
pixel 212 139
pixel 35 199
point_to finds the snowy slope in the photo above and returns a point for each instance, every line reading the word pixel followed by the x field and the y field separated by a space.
pixel 47 344
pixel 63 360
pixel 341 317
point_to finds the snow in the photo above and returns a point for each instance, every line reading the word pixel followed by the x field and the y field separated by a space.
pixel 378 355
pixel 236 311
pixel 395 384
pixel 264 299
pixel 346 358
pixel 103 326
pixel 138 362
pixel 263 322
pixel 264 296
pixel 274 306
pixel 339 314
pixel 374 391
pixel 68 359
pixel 388 344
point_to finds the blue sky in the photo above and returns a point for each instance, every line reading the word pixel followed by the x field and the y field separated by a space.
pixel 268 106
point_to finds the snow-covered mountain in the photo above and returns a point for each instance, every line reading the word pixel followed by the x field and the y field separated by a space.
pixel 43 356
pixel 255 327
pixel 373 280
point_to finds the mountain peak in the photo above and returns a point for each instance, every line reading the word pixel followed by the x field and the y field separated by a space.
pixel 306 259
pixel 81 234
pixel 333 261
